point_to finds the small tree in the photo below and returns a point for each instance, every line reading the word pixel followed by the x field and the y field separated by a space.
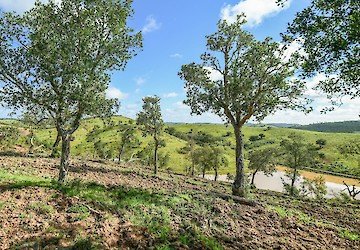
pixel 203 161
pixel 351 148
pixel 56 59
pixel 297 154
pixel 262 160
pixel 240 78
pixel 8 136
pixel 217 159
pixel 128 139
pixel 315 187
pixel 151 123
pixel 189 149
pixel 321 143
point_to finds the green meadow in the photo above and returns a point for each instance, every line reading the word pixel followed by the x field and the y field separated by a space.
pixel 271 137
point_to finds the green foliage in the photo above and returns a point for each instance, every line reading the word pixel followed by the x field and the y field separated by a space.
pixel 147 156
pixel 329 34
pixel 297 154
pixel 262 160
pixel 128 139
pixel 315 187
pixel 56 61
pixel 255 80
pixel 348 234
pixel 351 147
pixel 8 136
pixel 321 142
pixel 151 123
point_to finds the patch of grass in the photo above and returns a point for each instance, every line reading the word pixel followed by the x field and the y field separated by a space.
pixel 348 234
pixel 291 213
pixel 41 208
pixel 2 204
pixel 82 211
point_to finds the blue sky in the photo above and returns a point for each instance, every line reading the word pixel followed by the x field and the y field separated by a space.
pixel 174 34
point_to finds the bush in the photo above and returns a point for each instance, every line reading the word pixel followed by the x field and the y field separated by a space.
pixel 8 136
pixel 315 187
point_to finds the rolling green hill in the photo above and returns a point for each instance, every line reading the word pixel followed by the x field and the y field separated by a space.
pixel 334 127
pixel 222 135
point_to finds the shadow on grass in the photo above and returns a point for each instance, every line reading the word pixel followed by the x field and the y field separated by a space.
pixel 12 154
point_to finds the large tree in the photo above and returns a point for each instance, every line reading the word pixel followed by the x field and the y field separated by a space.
pixel 254 80
pixel 57 59
pixel 151 123
pixel 329 32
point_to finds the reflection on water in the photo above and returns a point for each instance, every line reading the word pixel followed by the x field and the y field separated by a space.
pixel 274 182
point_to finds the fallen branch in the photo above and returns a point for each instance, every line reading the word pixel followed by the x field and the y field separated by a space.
pixel 236 199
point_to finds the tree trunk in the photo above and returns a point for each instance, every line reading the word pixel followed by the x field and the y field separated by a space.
pixel 121 151
pixel 155 154
pixel 253 178
pixel 239 185
pixel 216 174
pixel 203 172
pixel 293 182
pixel 56 143
pixel 192 164
pixel 31 149
pixel 65 153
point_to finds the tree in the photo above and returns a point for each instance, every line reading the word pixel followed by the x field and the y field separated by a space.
pixel 261 160
pixel 217 159
pixel 189 149
pixel 254 81
pixel 151 121
pixel 128 139
pixel 321 143
pixel 57 59
pixel 297 154
pixel 9 135
pixel 328 31
pixel 202 159
pixel 351 147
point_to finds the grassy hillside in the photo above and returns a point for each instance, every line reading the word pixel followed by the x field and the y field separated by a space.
pixel 334 127
pixel 107 206
pixel 110 137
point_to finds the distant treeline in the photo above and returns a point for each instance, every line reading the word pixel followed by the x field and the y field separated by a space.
pixel 336 127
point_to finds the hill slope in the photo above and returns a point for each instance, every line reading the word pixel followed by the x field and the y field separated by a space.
pixel 106 206
pixel 109 136
pixel 333 127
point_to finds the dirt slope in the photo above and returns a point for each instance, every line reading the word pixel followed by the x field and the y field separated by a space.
pixel 105 206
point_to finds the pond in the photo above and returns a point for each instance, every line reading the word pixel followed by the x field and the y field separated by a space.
pixel 334 184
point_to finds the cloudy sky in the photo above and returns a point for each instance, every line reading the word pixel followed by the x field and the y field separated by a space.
pixel 174 34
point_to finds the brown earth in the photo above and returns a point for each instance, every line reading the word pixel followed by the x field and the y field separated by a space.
pixel 37 214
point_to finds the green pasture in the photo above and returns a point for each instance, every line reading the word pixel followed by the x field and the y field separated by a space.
pixel 272 136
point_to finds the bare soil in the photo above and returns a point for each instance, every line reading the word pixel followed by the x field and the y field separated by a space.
pixel 36 214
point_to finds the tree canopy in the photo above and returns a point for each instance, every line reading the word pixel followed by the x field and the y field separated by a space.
pixel 56 60
pixel 328 32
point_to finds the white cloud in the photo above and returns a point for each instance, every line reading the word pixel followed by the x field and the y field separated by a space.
pixel 19 6
pixel 255 10
pixel 151 25
pixel 140 80
pixel 177 56
pixel 214 74
pixel 169 95
pixel 113 92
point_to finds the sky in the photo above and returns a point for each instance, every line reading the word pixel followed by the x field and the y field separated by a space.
pixel 174 34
